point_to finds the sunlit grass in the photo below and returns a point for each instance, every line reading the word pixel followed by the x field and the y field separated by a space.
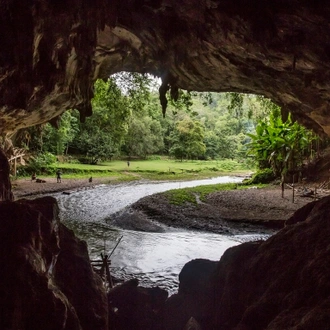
pixel 161 165
pixel 155 169
pixel 188 195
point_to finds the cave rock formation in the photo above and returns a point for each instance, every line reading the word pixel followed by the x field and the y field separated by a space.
pixel 46 280
pixel 52 52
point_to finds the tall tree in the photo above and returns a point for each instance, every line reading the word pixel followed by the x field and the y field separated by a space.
pixel 188 139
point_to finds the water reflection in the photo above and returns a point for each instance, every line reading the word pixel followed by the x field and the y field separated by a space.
pixel 155 258
pixel 97 204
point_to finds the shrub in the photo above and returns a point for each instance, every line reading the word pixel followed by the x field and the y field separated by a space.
pixel 262 176
pixel 40 163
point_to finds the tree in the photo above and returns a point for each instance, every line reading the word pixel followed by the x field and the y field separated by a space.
pixel 96 147
pixel 111 111
pixel 188 139
pixel 57 140
pixel 103 133
pixel 144 137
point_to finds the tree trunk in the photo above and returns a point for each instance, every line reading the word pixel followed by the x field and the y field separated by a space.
pixel 5 185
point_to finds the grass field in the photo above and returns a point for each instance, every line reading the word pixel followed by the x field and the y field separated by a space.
pixel 160 169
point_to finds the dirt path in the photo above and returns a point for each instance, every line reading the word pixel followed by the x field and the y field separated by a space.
pixel 25 187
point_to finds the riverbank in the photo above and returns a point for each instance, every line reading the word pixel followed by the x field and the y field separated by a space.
pixel 25 187
pixel 225 212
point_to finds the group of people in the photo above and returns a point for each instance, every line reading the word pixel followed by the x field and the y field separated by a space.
pixel 58 176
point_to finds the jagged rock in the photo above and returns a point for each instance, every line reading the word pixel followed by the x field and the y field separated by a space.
pixel 76 279
pixel 276 48
pixel 135 307
pixel 282 283
pixel 35 252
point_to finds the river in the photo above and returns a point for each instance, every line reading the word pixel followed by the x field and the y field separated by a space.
pixel 154 258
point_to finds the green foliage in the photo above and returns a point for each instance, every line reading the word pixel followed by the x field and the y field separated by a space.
pixel 187 139
pixel 111 111
pixel 57 140
pixel 183 102
pixel 236 104
pixel 102 134
pixel 127 121
pixel 40 163
pixel 280 145
pixel 96 147
pixel 262 176
pixel 143 138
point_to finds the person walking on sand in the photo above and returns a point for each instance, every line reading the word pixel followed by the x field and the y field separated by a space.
pixel 58 176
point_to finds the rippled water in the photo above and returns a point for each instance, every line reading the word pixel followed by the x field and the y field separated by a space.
pixel 155 258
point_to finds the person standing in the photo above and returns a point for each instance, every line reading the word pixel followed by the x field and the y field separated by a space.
pixel 58 176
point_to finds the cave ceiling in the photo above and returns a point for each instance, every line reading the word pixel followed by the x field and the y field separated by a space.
pixel 52 52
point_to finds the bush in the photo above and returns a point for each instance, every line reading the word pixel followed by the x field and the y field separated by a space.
pixel 262 176
pixel 40 163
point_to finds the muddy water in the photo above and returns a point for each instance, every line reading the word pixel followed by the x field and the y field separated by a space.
pixel 155 258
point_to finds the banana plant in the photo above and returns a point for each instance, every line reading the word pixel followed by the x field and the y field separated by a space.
pixel 279 145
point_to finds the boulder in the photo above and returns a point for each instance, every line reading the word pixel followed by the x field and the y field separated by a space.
pixel 135 307
pixel 282 283
pixel 194 301
pixel 36 250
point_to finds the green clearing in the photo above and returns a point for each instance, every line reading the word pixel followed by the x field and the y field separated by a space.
pixel 159 169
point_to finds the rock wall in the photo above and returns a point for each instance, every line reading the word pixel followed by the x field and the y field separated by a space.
pixel 46 281
pixel 5 184
pixel 52 52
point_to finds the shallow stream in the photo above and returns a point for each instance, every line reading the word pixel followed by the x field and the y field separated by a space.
pixel 154 258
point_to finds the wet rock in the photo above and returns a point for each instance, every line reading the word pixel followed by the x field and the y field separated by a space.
pixel 131 219
pixel 135 307
pixel 33 294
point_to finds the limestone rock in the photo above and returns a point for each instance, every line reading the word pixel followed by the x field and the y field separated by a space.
pixel 194 299
pixel 34 254
pixel 282 283
pixel 52 52
pixel 136 307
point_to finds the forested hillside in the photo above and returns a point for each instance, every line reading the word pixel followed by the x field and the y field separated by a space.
pixel 127 121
